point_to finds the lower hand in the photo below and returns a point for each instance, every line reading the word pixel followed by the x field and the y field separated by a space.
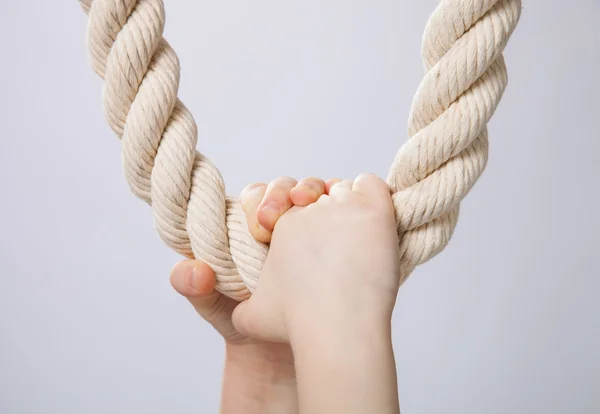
pixel 259 375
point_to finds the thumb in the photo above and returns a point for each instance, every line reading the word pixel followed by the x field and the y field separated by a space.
pixel 196 281
pixel 193 279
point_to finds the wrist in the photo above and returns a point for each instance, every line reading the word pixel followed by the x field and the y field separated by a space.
pixel 258 378
pixel 347 370
pixel 332 334
pixel 265 362
pixel 336 319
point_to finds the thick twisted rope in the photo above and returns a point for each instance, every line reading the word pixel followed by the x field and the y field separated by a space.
pixel 448 146
pixel 432 172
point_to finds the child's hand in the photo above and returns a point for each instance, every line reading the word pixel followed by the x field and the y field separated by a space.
pixel 328 287
pixel 331 265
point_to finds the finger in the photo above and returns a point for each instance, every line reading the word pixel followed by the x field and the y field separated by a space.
pixel 250 198
pixel 196 281
pixel 340 187
pixel 193 279
pixel 373 188
pixel 275 202
pixel 307 191
pixel 331 183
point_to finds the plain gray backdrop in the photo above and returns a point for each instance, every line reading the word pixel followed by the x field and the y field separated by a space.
pixel 505 320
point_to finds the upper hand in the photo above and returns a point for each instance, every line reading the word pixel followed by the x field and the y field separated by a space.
pixel 333 264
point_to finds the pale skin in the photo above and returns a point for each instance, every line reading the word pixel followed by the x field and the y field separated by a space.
pixel 305 341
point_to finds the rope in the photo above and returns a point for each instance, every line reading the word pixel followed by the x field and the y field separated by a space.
pixel 445 155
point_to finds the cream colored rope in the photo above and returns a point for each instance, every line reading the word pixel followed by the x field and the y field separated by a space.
pixel 432 172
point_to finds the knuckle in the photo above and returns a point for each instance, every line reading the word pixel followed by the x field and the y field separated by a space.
pixel 279 194
pixel 313 182
pixel 275 197
pixel 255 186
pixel 283 182
pixel 252 190
pixel 368 176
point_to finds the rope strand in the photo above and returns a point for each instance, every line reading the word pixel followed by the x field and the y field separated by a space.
pixel 445 155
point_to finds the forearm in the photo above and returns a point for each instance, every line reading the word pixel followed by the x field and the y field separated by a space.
pixel 258 381
pixel 346 369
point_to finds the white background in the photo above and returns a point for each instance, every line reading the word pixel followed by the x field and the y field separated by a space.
pixel 506 320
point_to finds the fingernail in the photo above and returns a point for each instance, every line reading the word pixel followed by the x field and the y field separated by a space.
pixel 192 279
pixel 252 192
pixel 255 192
